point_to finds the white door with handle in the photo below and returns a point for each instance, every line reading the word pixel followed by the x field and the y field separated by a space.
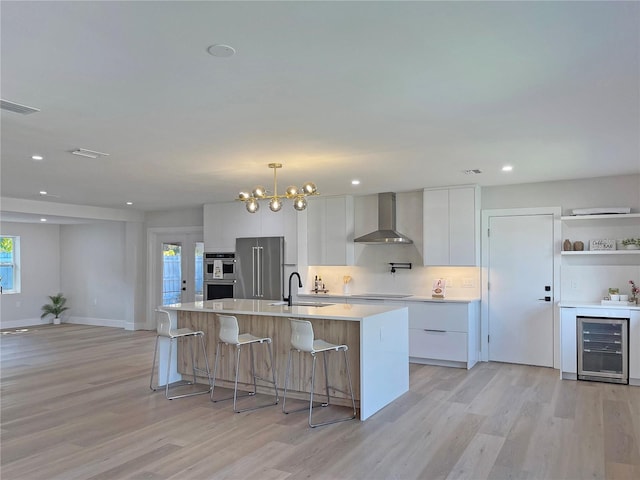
pixel 520 289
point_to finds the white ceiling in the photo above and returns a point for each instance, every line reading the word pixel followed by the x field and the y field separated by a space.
pixel 401 95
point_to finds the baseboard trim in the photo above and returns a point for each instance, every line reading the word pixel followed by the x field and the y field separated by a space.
pixel 25 322
pixel 96 322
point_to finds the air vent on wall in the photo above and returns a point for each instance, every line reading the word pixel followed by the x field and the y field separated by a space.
pixel 83 152
pixel 17 108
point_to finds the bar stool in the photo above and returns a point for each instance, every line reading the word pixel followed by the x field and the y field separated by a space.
pixel 302 340
pixel 229 335
pixel 164 330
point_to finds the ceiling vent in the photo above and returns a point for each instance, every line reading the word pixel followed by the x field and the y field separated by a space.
pixel 17 108
pixel 83 152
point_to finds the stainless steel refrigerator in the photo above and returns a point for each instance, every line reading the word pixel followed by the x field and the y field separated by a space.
pixel 260 267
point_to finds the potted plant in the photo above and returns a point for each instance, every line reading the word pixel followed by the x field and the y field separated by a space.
pixel 631 243
pixel 55 308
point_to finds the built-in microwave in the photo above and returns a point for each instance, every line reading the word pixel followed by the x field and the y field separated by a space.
pixel 219 266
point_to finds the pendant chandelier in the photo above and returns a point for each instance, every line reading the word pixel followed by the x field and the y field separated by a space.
pixel 258 193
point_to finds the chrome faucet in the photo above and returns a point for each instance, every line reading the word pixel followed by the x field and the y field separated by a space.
pixel 289 299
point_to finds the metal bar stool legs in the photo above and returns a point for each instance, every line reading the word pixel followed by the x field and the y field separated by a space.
pixel 303 342
pixel 165 331
pixel 229 336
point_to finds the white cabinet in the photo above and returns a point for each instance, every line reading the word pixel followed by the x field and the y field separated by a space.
pixel 634 348
pixel 224 222
pixel 444 333
pixel 440 333
pixel 568 344
pixel 451 226
pixel 593 227
pixel 329 233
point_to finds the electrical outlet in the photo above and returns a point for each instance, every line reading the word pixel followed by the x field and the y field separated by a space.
pixel 95 301
pixel 574 284
pixel 18 304
pixel 448 282
pixel 467 282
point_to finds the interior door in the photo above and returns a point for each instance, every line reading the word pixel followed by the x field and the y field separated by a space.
pixel 520 295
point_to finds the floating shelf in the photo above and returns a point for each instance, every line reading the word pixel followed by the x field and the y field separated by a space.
pixel 602 252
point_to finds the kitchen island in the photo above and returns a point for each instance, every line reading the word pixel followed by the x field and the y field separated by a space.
pixel 377 336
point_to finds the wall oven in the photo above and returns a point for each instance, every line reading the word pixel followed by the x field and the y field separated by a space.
pixel 219 275
pixel 603 349
pixel 219 266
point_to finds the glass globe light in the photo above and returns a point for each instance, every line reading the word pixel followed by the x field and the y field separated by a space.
pixel 259 191
pixel 252 205
pixel 300 203
pixel 292 191
pixel 309 188
pixel 244 196
pixel 275 204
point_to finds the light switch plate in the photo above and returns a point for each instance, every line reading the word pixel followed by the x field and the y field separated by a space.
pixel 467 282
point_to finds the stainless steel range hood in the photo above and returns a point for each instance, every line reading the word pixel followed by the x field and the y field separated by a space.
pixel 386 233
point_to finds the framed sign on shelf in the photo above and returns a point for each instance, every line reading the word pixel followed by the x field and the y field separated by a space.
pixel 602 244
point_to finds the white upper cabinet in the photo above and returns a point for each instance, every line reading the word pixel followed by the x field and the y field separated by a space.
pixel 451 226
pixel 329 232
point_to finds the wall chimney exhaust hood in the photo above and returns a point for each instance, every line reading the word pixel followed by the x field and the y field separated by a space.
pixel 386 233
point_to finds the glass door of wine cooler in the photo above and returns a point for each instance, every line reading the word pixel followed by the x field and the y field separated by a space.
pixel 603 349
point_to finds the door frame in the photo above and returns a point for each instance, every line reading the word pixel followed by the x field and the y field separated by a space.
pixel 153 250
pixel 484 305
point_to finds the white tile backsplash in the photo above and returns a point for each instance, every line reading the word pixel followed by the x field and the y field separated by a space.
pixel 417 281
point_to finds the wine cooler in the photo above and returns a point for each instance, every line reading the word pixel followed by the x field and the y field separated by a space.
pixel 603 348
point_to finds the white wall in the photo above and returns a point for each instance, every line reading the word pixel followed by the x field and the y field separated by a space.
pixel 40 271
pixel 188 217
pixel 93 272
pixel 619 191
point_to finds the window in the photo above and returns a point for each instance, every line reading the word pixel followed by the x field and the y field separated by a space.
pixel 10 264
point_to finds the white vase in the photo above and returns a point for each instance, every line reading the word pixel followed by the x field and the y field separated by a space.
pixel 56 320
pixel 632 247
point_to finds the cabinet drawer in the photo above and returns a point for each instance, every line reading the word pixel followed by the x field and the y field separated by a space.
pixel 451 346
pixel 451 317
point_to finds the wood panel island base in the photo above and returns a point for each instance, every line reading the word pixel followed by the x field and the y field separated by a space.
pixel 377 336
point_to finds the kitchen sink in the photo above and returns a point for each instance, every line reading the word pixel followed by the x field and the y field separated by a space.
pixel 311 304
pixel 302 304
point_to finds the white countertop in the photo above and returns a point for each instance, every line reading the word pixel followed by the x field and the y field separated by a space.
pixel 336 311
pixel 382 296
pixel 622 305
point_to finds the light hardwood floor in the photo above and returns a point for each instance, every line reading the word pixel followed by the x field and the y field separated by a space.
pixel 75 404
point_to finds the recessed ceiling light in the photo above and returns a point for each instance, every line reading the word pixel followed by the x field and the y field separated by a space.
pixel 37 157
pixel 129 203
pixel 43 219
pixel 355 182
pixel 220 50
pixel 507 168
pixel 43 192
